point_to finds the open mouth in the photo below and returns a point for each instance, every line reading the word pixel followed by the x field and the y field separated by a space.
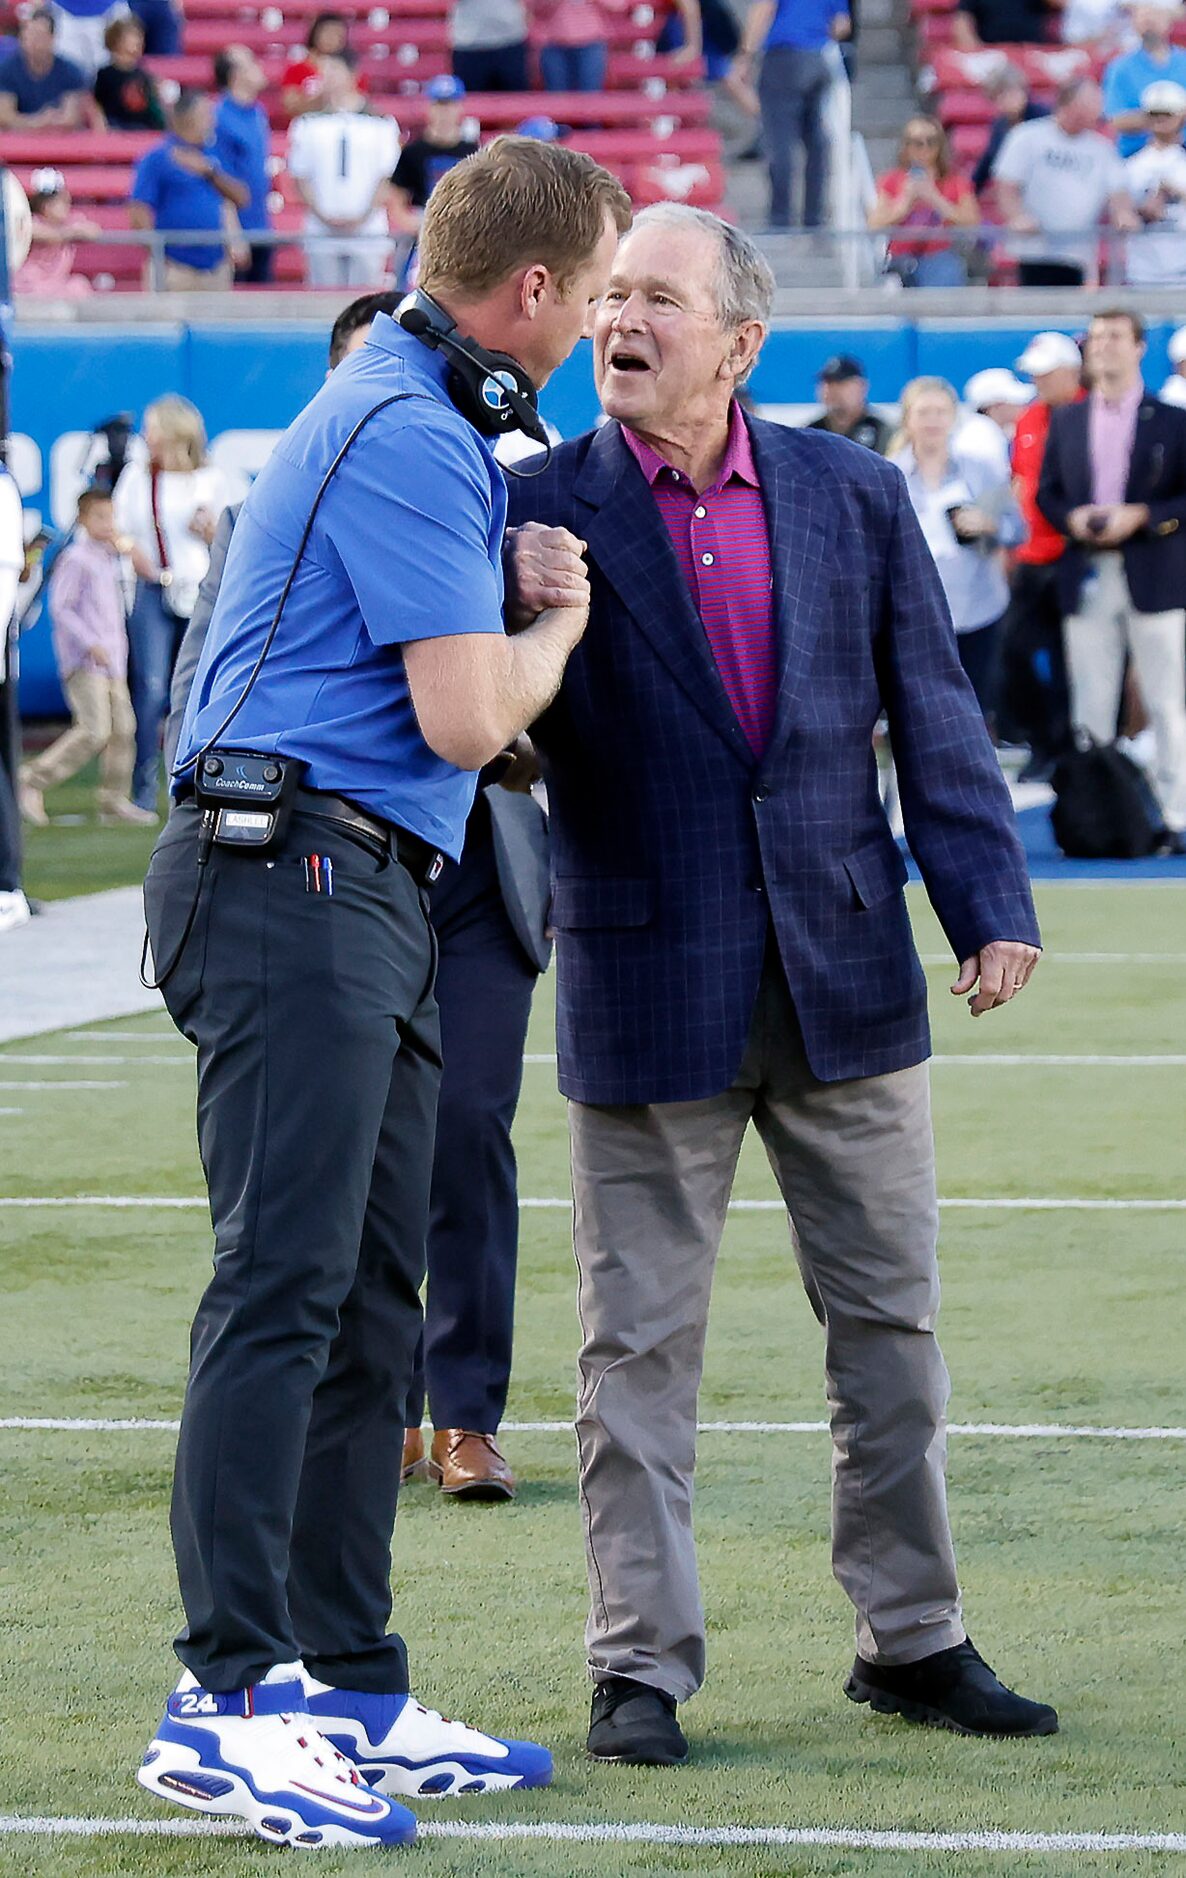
pixel 628 362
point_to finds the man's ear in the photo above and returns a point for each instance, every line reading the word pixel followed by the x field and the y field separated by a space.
pixel 747 343
pixel 533 287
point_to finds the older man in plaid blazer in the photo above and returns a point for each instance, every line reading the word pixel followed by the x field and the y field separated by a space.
pixel 733 945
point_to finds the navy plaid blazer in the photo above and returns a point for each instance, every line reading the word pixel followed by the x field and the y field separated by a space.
pixel 675 851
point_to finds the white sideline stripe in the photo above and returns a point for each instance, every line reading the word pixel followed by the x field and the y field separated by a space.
pixel 58 1082
pixel 125 1036
pixel 1030 1204
pixel 852 1838
pixel 12 1111
pixel 44 1062
pixel 1018 1431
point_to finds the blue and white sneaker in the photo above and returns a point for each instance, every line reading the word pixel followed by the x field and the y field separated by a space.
pixel 257 1755
pixel 401 1748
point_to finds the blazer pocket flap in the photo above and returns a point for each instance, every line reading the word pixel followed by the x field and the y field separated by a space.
pixel 876 871
pixel 579 904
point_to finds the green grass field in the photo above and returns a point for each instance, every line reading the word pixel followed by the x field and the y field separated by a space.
pixel 1071 1549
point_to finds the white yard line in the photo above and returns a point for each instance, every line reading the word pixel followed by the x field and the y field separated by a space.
pixel 1079 958
pixel 967 1203
pixel 1015 1431
pixel 848 1838
pixel 1012 1060
pixel 107 1059
pixel 57 1083
pixel 120 1036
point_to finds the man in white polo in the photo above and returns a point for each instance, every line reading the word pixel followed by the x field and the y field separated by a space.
pixel 341 159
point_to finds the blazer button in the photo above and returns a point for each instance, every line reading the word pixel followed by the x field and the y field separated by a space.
pixel 759 795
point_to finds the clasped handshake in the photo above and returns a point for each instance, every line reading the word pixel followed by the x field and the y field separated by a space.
pixel 545 567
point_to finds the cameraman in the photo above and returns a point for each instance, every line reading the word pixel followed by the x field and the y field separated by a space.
pixel 305 976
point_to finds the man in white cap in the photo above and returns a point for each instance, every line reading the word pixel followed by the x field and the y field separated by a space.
pixel 1033 671
pixel 997 394
pixel 1174 389
pixel 1156 179
pixel 1127 76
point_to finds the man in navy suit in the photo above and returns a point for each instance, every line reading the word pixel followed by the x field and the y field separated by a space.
pixel 1114 482
pixel 733 944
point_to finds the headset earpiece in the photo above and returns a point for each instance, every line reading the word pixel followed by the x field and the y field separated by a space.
pixel 490 389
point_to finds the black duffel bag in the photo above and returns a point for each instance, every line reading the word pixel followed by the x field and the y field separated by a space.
pixel 1104 808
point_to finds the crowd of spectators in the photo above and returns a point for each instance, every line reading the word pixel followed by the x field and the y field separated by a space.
pixel 1044 660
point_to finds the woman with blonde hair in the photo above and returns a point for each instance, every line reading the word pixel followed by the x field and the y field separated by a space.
pixel 967 512
pixel 925 191
pixel 167 505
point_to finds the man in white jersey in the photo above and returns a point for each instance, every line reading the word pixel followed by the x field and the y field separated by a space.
pixel 1156 179
pixel 341 159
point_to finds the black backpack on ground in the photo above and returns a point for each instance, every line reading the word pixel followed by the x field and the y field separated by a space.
pixel 1104 808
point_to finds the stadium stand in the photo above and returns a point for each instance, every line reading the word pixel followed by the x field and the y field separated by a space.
pixel 651 124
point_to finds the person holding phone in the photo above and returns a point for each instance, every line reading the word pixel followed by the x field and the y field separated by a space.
pixel 967 513
pixel 925 190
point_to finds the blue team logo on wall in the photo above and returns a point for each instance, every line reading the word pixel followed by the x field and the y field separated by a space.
pixel 494 388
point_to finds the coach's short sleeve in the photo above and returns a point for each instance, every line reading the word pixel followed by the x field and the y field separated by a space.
pixel 417 525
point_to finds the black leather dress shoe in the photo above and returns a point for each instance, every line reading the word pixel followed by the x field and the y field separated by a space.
pixel 635 1724
pixel 952 1689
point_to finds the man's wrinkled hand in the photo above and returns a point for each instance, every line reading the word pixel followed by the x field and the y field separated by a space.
pixel 547 570
pixel 1003 968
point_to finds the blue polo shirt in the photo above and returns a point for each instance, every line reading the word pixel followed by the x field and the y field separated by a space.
pixel 407 545
pixel 806 24
pixel 179 199
pixel 35 94
pixel 243 134
pixel 1124 81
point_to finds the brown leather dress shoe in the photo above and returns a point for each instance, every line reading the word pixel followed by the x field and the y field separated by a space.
pixel 415 1463
pixel 470 1466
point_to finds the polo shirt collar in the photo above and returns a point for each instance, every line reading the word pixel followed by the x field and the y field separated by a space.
pixel 738 462
pixel 389 336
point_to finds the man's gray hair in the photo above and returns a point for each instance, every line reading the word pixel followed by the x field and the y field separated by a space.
pixel 745 284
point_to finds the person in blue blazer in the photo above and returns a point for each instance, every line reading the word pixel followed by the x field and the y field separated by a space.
pixel 733 945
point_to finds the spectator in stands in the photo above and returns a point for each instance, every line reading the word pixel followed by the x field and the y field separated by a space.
pixel 425 159
pixel 844 393
pixel 1033 702
pixel 1114 483
pixel 1009 91
pixel 980 23
pixel 185 184
pixel 574 48
pixel 300 87
pixel 341 159
pixel 244 136
pixel 1055 179
pixel 39 90
pixel 48 272
pixel 1156 180
pixel 81 28
pixel 967 513
pixel 1174 389
pixel 489 41
pixel 925 191
pixel 91 648
pixel 1129 75
pixel 125 92
pixel 997 395
pixel 161 20
pixel 166 512
pixel 793 36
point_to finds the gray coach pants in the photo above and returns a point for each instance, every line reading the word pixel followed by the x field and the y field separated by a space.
pixel 855 1164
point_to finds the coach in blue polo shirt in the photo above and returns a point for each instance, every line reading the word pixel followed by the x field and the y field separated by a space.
pixel 185 183
pixel 357 637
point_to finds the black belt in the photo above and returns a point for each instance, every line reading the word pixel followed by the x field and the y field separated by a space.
pixel 422 861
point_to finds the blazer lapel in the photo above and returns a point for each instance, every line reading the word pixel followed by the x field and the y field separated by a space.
pixel 803 522
pixel 632 548
pixel 1148 454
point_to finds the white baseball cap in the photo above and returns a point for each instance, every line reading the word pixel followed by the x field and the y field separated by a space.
pixel 1046 352
pixel 997 385
pixel 1177 346
pixel 1164 96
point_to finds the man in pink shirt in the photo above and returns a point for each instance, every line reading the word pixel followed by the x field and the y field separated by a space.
pixel 91 644
pixel 1114 482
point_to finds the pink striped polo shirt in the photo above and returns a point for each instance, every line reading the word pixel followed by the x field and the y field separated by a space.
pixel 722 544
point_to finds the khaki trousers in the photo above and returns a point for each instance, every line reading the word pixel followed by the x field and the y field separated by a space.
pixel 180 278
pixel 855 1164
pixel 1097 638
pixel 103 725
